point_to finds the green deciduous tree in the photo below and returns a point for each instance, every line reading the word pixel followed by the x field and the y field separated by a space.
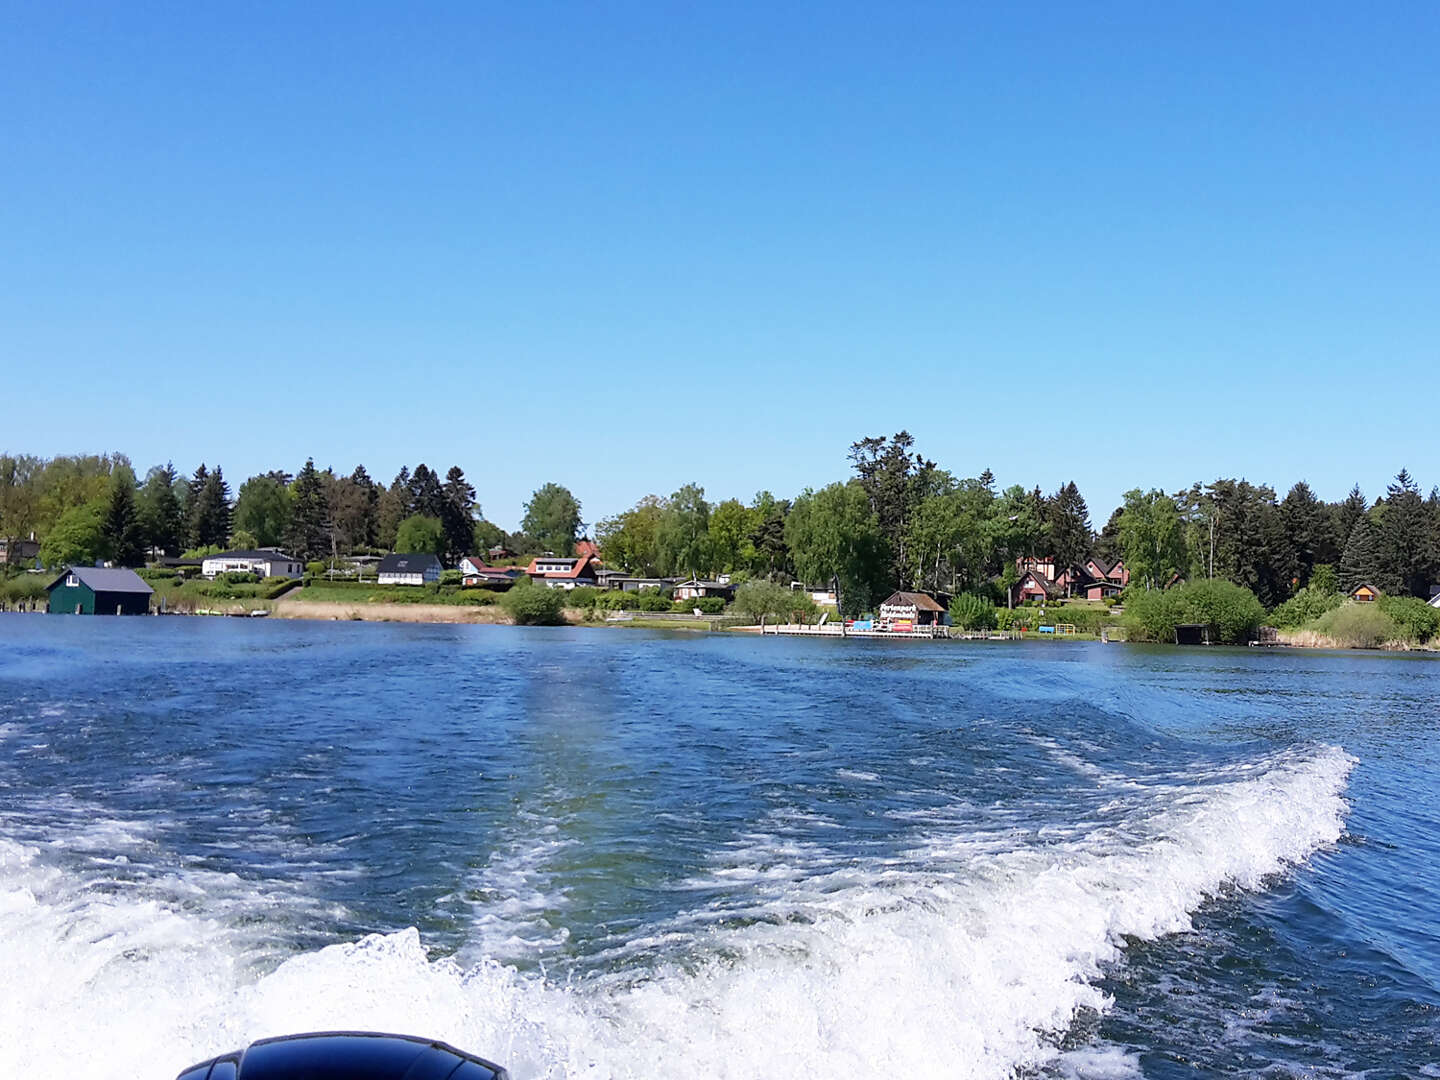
pixel 732 523
pixel 78 538
pixel 629 541
pixel 683 537
pixel 420 534
pixel 552 519
pixel 971 612
pixel 834 536
pixel 1151 537
pixel 19 495
pixel 262 509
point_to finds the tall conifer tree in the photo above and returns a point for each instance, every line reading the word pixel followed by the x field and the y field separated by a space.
pixel 309 537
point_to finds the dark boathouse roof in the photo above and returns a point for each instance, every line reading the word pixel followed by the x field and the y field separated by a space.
pixel 410 563
pixel 106 579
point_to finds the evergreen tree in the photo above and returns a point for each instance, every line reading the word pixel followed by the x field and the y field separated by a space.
pixel 1363 560
pixel 395 506
pixel 457 515
pixel 1304 519
pixel 1407 542
pixel 309 535
pixel 162 518
pixel 370 501
pixel 1067 527
pixel 211 525
pixel 894 481
pixel 1107 547
pixel 427 497
pixel 1343 516
pixel 190 506
pixel 120 529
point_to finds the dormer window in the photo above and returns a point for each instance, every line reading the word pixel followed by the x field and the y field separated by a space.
pixel 72 581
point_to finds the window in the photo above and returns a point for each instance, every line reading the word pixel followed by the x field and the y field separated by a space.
pixel 72 581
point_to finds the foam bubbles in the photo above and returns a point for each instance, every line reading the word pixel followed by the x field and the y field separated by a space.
pixel 970 959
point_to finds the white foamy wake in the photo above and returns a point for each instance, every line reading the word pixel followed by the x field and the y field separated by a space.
pixel 969 967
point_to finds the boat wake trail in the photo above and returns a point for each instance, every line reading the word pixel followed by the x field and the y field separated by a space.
pixel 969 954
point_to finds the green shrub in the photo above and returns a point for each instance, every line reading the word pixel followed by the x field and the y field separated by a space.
pixel 451 577
pixel 710 605
pixel 616 600
pixel 652 600
pixel 238 577
pixel 1305 606
pixel 1231 611
pixel 533 605
pixel 1086 620
pixel 477 597
pixel 1357 626
pixel 582 596
pixel 1010 619
pixel 26 587
pixel 971 612
pixel 1417 620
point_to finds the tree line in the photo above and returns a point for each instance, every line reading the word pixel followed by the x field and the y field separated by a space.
pixel 89 507
pixel 898 520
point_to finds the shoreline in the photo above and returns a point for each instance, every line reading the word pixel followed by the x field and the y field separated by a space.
pixel 492 615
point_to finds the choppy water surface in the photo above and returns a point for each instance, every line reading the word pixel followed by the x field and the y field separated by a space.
pixel 592 853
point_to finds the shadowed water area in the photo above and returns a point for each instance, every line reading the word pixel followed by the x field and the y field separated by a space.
pixel 597 853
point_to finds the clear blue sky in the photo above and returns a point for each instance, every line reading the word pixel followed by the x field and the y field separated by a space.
pixel 626 246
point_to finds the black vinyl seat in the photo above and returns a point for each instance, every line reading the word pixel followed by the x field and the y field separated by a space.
pixel 346 1055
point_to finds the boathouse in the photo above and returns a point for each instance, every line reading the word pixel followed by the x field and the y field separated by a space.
pixel 92 590
pixel 905 610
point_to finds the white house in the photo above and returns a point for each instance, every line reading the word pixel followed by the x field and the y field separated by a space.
pixel 264 563
pixel 413 568
pixel 562 573
pixel 695 588
pixel 820 594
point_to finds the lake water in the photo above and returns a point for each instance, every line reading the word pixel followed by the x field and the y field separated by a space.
pixel 601 853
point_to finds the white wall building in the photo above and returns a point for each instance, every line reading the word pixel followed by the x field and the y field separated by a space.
pixel 264 563
pixel 411 568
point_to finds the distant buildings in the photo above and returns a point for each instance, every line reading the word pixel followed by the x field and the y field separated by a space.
pixel 476 572
pixel 695 589
pixel 91 590
pixel 1042 580
pixel 18 551
pixel 412 568
pixel 264 563
pixel 563 572
pixel 1365 594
